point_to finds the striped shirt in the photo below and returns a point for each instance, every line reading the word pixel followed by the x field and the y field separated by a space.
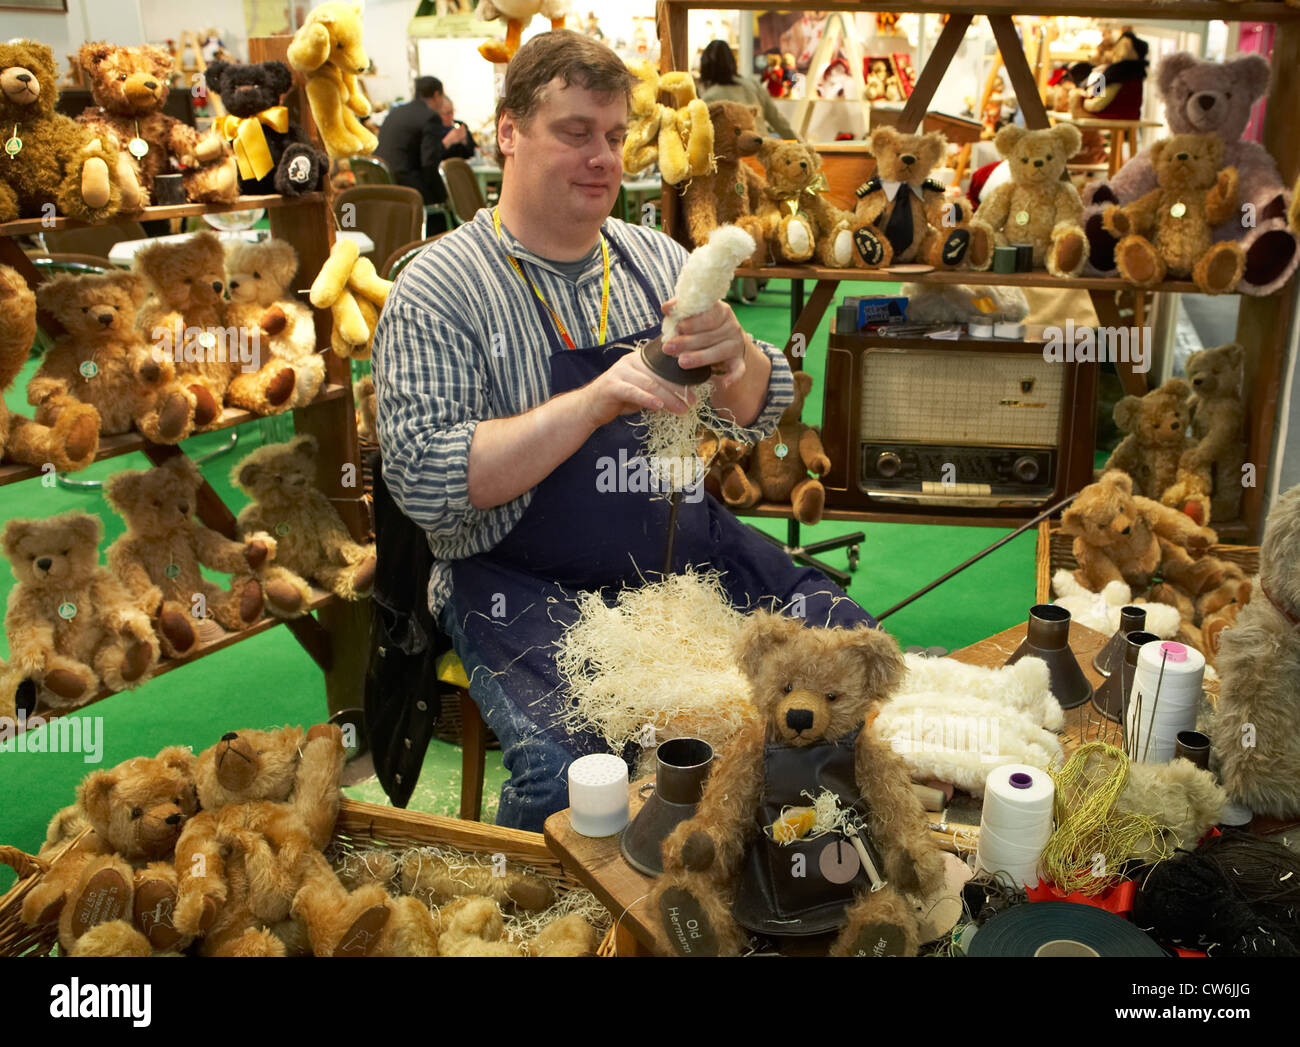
pixel 461 340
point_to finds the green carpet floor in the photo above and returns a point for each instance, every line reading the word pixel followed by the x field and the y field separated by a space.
pixel 269 680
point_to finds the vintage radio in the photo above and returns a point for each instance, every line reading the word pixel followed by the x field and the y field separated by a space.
pixel 965 423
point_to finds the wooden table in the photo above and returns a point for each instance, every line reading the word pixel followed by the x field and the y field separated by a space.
pixel 599 866
pixel 1121 133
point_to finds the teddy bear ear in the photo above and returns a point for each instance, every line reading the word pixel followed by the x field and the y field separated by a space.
pixel 53 295
pixel 279 78
pixel 1235 354
pixel 882 138
pixel 1252 72
pixel 1072 521
pixel 1172 68
pixel 136 286
pixel 160 58
pixel 1158 150
pixel 1126 412
pixel 119 489
pixel 87 528
pixel 760 634
pixel 246 473
pixel 1119 480
pixel 304 445
pixel 213 74
pixel 183 466
pixel 91 54
pixel 803 380
pixel 1177 387
pixel 1070 137
pixel 179 758
pixel 881 658
pixel 15 531
pixel 95 795
pixel 1215 146
pixel 1005 140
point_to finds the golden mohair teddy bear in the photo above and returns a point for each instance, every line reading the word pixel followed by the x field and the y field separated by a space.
pixel 363 394
pixel 72 442
pixel 1169 231
pixel 269 802
pixel 516 14
pixel 327 49
pixel 798 222
pixel 679 136
pixel 102 360
pixel 742 861
pixel 312 541
pixel 473 926
pixel 259 277
pixel 1036 207
pixel 730 194
pixel 354 293
pixel 130 86
pixel 72 625
pixel 1158 433
pixel 51 163
pixel 159 556
pixel 113 893
pixel 903 215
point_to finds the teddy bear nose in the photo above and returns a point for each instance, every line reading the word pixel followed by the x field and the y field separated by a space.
pixel 174 819
pixel 798 719
pixel 44 563
pixel 229 737
pixel 908 158
pixel 1181 156
pixel 216 286
pixel 1205 101
pixel 234 285
pixel 803 164
pixel 1038 163
pixel 24 78
pixel 104 318
pixel 151 84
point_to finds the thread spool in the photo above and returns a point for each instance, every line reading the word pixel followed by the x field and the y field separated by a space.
pixel 1004 259
pixel 1010 329
pixel 598 795
pixel 1167 687
pixel 1024 257
pixel 846 319
pixel 168 189
pixel 980 328
pixel 1193 746
pixel 1016 821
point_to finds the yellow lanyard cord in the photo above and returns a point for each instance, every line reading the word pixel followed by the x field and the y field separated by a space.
pixel 604 288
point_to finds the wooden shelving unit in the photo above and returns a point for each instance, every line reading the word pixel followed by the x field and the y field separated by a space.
pixel 1263 324
pixel 335 631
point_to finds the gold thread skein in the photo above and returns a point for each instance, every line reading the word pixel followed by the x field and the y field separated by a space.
pixel 1092 841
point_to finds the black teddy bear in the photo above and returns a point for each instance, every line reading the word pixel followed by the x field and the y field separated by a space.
pixel 274 154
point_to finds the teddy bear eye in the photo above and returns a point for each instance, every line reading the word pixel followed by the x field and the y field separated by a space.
pixel 122 76
pixel 85 309
pixel 257 276
pixel 136 812
pixel 1048 157
pixel 1024 159
pixel 832 696
pixel 789 687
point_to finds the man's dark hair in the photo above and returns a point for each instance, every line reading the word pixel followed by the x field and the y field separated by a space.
pixel 427 86
pixel 575 58
pixel 717 64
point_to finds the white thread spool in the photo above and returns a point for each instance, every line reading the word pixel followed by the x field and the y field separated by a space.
pixel 1016 821
pixel 1167 703
pixel 598 795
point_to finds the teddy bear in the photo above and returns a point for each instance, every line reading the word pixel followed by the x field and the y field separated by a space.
pixel 730 195
pixel 473 926
pixel 72 442
pixel 102 360
pixel 1157 427
pixel 931 229
pixel 1215 623
pixel 1112 88
pixel 1035 206
pixel 367 401
pixel 679 136
pixel 798 222
pixel 1100 611
pixel 113 892
pixel 259 277
pixel 726 463
pixel 741 860
pixel 327 50
pixel 1203 97
pixel 130 86
pixel 354 293
pixel 1214 463
pixel 1253 730
pixel 269 802
pixel 1122 536
pixel 516 14
pixel 158 558
pixel 312 540
pixel 72 625
pixel 1192 195
pixel 273 153
pixel 49 158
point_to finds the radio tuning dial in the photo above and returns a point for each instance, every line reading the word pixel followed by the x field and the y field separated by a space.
pixel 888 464
pixel 1026 468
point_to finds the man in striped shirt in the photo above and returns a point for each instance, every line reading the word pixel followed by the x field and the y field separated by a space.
pixel 504 378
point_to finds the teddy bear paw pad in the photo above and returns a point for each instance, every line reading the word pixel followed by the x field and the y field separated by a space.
pixel 360 938
pixel 878 939
pixel 955 246
pixel 106 897
pixel 155 904
pixel 136 661
pixel 688 928
pixel 869 246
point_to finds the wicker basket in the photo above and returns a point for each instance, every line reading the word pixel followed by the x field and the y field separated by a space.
pixel 360 825
pixel 1056 551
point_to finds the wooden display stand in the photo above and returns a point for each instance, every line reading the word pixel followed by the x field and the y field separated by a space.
pixel 336 638
pixel 1263 324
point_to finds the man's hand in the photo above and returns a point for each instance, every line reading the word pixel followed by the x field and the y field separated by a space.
pixel 628 387
pixel 455 136
pixel 711 339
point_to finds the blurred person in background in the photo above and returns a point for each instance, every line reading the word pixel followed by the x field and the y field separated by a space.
pixel 720 82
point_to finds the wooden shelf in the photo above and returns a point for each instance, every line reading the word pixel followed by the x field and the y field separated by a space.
pixel 962 276
pixel 319 598
pixel 125 443
pixel 25 226
pixel 1184 10
pixel 937 515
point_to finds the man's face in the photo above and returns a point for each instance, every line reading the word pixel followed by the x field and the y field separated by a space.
pixel 435 102
pixel 448 111
pixel 569 158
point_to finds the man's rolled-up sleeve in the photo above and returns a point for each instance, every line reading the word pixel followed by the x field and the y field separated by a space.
pixel 780 394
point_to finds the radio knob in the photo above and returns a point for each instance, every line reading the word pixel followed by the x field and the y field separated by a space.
pixel 888 464
pixel 1026 469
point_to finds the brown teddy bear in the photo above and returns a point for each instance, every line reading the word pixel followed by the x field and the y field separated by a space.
pixel 158 558
pixel 930 229
pixel 269 802
pixel 798 222
pixel 779 467
pixel 72 626
pixel 732 194
pixel 185 319
pixel 312 540
pixel 130 86
pixel 73 441
pixel 473 926
pixel 49 158
pixel 1192 197
pixel 1217 421
pixel 1157 425
pixel 363 394
pixel 114 892
pixel 102 360
pixel 1036 207
pixel 727 867
pixel 727 460
pixel 260 279
pixel 1122 536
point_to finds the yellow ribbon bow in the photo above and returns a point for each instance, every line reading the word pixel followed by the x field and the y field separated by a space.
pixel 251 151
pixel 816 187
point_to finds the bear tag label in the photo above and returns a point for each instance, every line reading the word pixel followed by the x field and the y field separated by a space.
pixel 299 170
pixel 780 450
pixel 282 529
pixel 89 369
pixel 1178 210
pixel 1022 218
pixel 879 939
pixel 207 339
pixel 839 862
pixel 105 898
pixel 137 147
pixel 740 188
pixel 14 145
pixel 171 570
pixel 688 928
pixel 68 611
